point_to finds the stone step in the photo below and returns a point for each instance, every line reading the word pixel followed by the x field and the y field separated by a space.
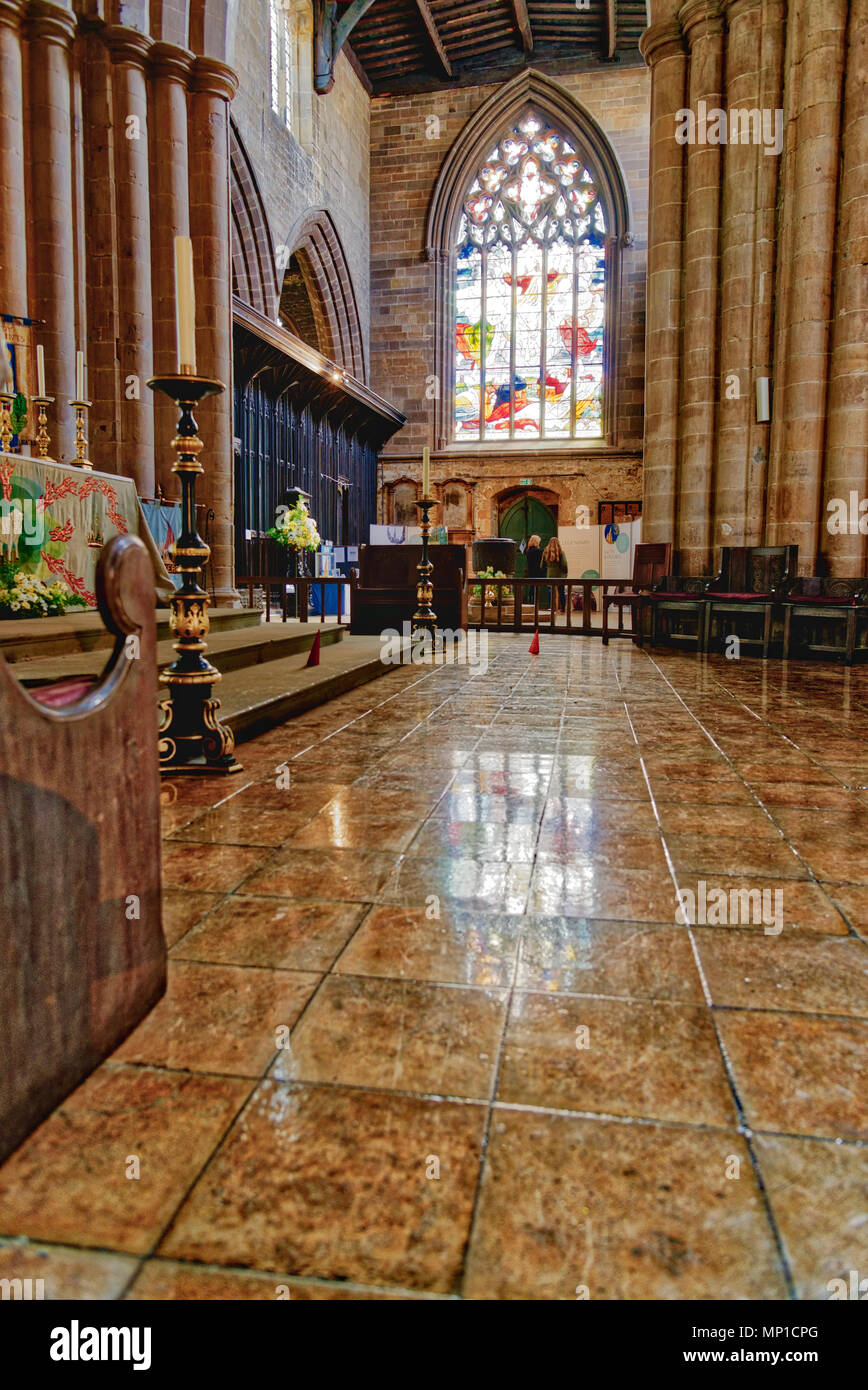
pixel 28 639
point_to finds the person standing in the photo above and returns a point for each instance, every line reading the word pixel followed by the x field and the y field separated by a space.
pixel 533 560
pixel 555 563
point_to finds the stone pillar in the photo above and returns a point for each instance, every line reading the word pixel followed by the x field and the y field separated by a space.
pixel 847 433
pixel 129 51
pixel 213 86
pixel 52 264
pixel 96 201
pixel 736 408
pixel 770 40
pixel 663 49
pixel 13 202
pixel 170 217
pixel 702 22
pixel 806 250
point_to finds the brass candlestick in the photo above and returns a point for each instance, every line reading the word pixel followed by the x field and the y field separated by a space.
pixel 425 617
pixel 7 400
pixel 81 408
pixel 43 438
pixel 191 737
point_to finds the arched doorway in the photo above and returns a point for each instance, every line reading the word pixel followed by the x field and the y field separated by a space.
pixel 525 517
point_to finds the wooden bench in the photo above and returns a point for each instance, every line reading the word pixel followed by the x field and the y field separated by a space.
pixel 82 953
pixel 827 617
pixel 385 596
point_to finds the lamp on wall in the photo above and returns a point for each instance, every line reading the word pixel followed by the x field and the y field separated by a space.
pixel 763 399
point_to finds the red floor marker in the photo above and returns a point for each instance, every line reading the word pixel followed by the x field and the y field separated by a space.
pixel 534 646
pixel 313 658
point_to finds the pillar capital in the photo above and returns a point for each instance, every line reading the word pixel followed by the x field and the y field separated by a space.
pixel 215 78
pixel 12 13
pixel 664 40
pixel 168 60
pixel 127 45
pixel 701 19
pixel 53 23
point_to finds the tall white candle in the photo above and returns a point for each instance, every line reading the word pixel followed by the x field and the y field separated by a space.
pixel 185 304
pixel 79 376
pixel 40 370
pixel 426 472
pixel 6 377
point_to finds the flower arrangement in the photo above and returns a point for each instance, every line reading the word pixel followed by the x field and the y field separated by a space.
pixel 490 589
pixel 296 528
pixel 24 596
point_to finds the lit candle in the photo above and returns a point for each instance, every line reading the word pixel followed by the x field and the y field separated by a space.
pixel 40 370
pixel 426 472
pixel 185 304
pixel 79 376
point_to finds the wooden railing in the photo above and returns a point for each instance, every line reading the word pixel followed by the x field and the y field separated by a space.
pixel 536 605
pixel 304 587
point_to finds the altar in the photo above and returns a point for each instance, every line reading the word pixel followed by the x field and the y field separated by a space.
pixel 57 517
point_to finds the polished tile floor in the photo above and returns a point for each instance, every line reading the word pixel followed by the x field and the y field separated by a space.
pixel 436 1025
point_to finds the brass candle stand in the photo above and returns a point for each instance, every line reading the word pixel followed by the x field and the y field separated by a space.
pixel 191 737
pixel 81 408
pixel 425 618
pixel 7 400
pixel 43 438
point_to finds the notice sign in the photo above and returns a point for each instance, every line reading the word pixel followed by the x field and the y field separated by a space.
pixel 525 482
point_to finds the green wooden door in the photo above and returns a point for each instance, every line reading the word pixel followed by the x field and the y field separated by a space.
pixel 525 518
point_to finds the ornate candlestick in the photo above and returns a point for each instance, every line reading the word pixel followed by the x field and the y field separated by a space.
pixel 7 400
pixel 81 408
pixel 425 617
pixel 191 737
pixel 43 438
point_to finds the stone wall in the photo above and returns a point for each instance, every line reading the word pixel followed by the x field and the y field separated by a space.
pixel 323 162
pixel 408 148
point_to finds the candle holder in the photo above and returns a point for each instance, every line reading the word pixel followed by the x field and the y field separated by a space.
pixel 191 737
pixel 43 438
pixel 425 618
pixel 81 408
pixel 7 400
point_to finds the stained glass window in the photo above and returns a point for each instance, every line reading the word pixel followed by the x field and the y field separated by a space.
pixel 281 61
pixel 530 288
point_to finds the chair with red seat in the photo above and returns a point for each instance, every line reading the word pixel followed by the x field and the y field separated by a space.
pixel 651 562
pixel 814 611
pixel 753 581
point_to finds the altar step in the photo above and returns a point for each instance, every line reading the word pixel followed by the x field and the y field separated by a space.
pixel 27 639
pixel 265 677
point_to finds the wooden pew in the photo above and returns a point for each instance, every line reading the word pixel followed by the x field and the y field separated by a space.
pixel 82 953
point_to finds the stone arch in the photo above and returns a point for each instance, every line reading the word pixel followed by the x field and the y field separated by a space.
pixel 254 278
pixel 316 247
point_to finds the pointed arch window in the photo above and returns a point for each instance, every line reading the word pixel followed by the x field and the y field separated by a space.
pixel 530 290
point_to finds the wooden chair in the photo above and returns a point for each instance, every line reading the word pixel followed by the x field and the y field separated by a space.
pixel 752 581
pixel 675 612
pixel 827 617
pixel 82 953
pixel 651 562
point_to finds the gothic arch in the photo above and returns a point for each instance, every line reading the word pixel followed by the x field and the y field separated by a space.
pixel 483 130
pixel 253 268
pixel 315 244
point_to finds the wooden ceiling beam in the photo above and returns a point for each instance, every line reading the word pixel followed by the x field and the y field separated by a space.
pixel 522 24
pixel 427 19
pixel 611 28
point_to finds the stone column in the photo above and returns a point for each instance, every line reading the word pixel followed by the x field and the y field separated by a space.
pixel 806 249
pixel 13 202
pixel 847 431
pixel 663 49
pixel 96 199
pixel 129 51
pixel 170 217
pixel 702 22
pixel 213 86
pixel 52 264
